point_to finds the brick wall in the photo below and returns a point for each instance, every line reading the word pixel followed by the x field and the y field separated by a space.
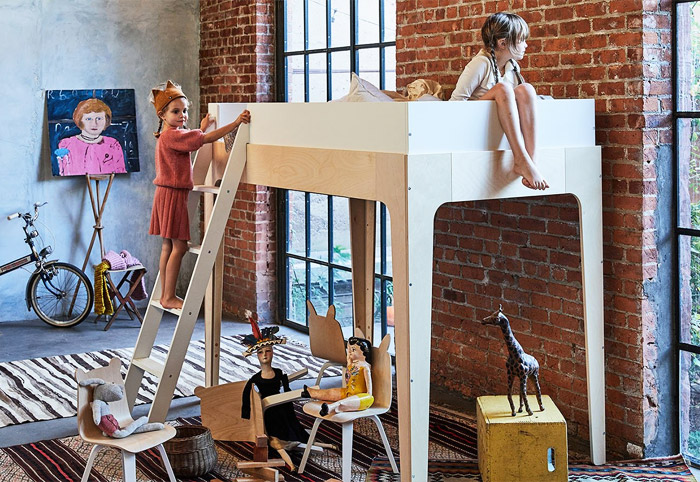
pixel 237 65
pixel 525 253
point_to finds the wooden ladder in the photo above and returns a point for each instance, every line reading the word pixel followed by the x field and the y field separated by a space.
pixel 142 361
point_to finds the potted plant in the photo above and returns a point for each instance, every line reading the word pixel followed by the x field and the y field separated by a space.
pixel 389 303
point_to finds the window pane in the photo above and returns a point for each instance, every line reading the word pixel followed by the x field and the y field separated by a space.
pixel 319 287
pixel 690 404
pixel 378 238
pixel 317 25
pixel 342 296
pixel 340 74
pixel 688 41
pixel 317 78
pixel 390 68
pixel 295 78
pixel 367 21
pixel 689 172
pixel 388 241
pixel 294 25
pixel 319 227
pixel 296 291
pixel 389 21
pixel 368 67
pixel 689 253
pixel 341 232
pixel 340 23
pixel 296 232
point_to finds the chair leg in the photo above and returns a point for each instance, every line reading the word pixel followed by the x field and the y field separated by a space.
pixel 90 461
pixel 385 441
pixel 309 444
pixel 129 466
pixel 347 451
pixel 166 463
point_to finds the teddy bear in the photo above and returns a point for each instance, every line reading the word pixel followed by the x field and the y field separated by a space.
pixel 109 392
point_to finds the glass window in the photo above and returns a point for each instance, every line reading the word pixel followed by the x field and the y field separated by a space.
pixel 323 42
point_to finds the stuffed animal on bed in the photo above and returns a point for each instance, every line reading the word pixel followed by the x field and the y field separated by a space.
pixel 109 392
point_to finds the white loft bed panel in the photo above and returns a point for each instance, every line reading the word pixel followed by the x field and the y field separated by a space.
pixel 408 127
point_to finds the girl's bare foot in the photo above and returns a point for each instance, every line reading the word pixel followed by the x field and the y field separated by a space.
pixel 172 303
pixel 531 175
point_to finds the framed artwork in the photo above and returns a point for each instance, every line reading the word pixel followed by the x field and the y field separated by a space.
pixel 92 131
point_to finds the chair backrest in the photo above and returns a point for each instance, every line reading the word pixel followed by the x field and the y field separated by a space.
pixel 325 335
pixel 120 409
pixel 221 412
pixel 381 374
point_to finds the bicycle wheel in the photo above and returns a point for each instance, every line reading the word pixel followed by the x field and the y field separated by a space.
pixel 61 295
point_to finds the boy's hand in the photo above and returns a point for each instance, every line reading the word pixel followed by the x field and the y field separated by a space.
pixel 206 122
pixel 244 118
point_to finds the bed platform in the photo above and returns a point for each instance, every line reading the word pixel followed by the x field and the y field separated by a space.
pixel 415 157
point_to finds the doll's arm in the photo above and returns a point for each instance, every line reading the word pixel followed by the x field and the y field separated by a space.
pixel 368 378
pixel 99 408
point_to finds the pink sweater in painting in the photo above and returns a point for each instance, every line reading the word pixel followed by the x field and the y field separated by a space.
pixel 173 165
pixel 104 157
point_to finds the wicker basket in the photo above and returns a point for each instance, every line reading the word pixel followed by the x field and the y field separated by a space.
pixel 191 452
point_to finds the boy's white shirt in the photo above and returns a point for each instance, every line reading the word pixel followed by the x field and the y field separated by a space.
pixel 478 78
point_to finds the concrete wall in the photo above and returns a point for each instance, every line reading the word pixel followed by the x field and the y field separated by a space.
pixel 84 44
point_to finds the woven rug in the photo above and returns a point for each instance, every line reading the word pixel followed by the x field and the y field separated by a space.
pixel 649 470
pixel 45 388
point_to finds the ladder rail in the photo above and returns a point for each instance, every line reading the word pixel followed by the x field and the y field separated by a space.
pixel 194 297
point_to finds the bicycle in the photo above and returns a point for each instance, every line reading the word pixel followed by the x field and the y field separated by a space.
pixel 60 293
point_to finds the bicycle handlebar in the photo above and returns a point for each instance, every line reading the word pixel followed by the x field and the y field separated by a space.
pixel 37 205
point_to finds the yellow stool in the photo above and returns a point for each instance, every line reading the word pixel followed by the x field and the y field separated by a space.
pixel 524 448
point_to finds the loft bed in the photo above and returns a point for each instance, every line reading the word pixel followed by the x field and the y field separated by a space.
pixel 415 157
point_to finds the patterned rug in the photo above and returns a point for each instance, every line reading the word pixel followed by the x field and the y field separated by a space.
pixel 649 470
pixel 452 443
pixel 45 388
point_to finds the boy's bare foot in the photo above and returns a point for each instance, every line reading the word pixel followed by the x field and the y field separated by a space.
pixel 531 175
pixel 172 303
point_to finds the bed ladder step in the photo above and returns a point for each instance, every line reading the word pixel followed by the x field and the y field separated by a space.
pixel 169 371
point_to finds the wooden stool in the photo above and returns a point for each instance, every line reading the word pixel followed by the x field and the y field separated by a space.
pixel 125 301
pixel 524 448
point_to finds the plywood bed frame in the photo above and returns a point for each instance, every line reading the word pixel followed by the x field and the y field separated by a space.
pixel 414 157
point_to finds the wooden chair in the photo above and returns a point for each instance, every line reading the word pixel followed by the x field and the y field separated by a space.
pixel 326 339
pixel 129 446
pixel 381 389
pixel 221 413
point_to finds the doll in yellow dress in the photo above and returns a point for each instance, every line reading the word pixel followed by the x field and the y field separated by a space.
pixel 357 392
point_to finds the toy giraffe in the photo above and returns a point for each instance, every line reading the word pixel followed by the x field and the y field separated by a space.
pixel 519 363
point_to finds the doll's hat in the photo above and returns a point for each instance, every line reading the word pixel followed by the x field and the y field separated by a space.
pixel 260 338
pixel 161 98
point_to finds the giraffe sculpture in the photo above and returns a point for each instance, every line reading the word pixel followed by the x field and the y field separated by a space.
pixel 519 363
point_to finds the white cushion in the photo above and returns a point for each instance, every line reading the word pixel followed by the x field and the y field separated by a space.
pixel 363 91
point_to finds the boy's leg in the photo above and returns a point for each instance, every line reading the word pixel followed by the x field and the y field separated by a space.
pixel 169 300
pixel 165 251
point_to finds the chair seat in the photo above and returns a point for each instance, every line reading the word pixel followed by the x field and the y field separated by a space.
pixel 135 442
pixel 314 408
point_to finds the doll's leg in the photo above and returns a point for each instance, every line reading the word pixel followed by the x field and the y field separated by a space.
pixel 509 118
pixel 329 394
pixel 352 403
pixel 169 300
pixel 165 251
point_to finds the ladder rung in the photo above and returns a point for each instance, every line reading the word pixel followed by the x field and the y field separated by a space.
pixel 150 365
pixel 174 311
pixel 204 188
pixel 195 248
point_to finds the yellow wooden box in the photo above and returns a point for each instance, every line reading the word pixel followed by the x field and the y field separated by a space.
pixel 524 448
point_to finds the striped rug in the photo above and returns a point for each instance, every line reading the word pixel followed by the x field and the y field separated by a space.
pixel 45 388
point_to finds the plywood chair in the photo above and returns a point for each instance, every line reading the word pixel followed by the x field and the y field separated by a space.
pixel 326 339
pixel 381 389
pixel 221 410
pixel 130 445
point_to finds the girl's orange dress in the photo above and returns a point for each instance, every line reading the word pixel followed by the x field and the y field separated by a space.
pixel 173 181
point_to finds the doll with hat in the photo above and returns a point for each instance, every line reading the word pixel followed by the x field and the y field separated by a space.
pixel 281 424
pixel 357 393
pixel 169 217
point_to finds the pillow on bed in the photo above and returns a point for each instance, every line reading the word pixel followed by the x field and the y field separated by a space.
pixel 363 91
